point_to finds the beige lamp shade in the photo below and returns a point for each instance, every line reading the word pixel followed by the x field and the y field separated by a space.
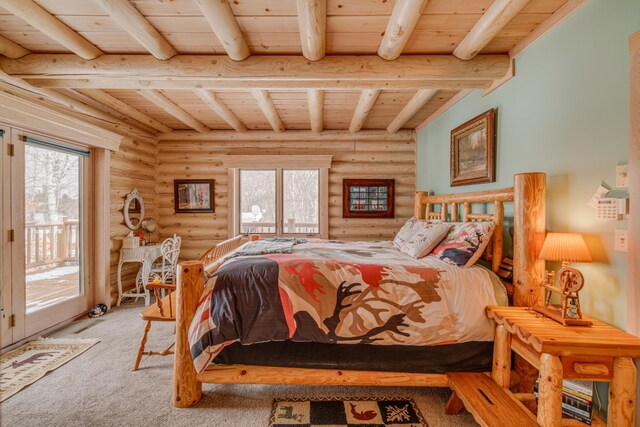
pixel 569 247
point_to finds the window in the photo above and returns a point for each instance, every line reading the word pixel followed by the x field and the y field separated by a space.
pixel 279 201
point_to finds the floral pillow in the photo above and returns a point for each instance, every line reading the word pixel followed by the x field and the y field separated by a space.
pixel 404 233
pixel 425 238
pixel 465 243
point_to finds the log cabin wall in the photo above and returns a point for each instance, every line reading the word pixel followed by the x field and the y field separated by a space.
pixel 351 159
pixel 135 165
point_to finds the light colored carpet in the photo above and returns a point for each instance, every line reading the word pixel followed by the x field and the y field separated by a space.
pixel 99 388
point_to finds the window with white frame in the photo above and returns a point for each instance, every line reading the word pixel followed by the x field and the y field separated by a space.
pixel 282 201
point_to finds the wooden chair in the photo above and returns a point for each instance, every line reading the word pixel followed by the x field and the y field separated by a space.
pixel 164 310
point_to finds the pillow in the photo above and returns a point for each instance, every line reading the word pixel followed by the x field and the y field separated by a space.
pixel 465 243
pixel 425 238
pixel 404 233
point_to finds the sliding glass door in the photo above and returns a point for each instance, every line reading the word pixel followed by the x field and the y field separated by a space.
pixel 48 226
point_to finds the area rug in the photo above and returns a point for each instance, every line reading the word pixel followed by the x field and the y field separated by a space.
pixel 349 412
pixel 30 362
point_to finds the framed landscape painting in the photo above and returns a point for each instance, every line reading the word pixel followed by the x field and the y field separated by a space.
pixel 193 195
pixel 473 151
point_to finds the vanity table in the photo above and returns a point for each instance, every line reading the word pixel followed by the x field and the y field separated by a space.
pixel 144 255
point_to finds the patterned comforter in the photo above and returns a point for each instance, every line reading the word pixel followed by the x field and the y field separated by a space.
pixel 342 293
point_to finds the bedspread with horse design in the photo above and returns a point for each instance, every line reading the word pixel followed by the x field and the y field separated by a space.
pixel 342 293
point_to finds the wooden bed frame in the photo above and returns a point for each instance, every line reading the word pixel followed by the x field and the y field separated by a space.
pixel 528 197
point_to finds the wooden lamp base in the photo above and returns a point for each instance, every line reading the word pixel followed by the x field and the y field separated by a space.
pixel 555 313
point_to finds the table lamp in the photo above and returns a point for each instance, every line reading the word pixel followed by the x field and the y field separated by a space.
pixel 564 247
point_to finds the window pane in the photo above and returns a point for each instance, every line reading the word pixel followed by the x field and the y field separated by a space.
pixel 53 224
pixel 257 201
pixel 300 200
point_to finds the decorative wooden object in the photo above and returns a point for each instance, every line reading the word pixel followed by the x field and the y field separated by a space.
pixel 182 195
pixel 188 384
pixel 368 198
pixel 473 151
pixel 577 353
pixel 565 247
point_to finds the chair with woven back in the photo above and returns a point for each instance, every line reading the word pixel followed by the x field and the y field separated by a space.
pixel 164 310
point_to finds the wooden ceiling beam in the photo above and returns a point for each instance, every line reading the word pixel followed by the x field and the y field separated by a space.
pixel 12 50
pixel 289 135
pixel 221 110
pixel 409 72
pixel 171 108
pixel 124 108
pixel 366 102
pixel 444 107
pixel 413 106
pixel 403 20
pixel 268 109
pixel 225 26
pixel 492 21
pixel 75 105
pixel 316 109
pixel 45 22
pixel 312 21
pixel 132 21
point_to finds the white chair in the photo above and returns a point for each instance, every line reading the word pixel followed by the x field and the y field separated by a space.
pixel 167 268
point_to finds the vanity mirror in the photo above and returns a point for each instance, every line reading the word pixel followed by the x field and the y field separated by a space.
pixel 133 210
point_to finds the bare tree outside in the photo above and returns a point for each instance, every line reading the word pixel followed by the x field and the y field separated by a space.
pixel 300 201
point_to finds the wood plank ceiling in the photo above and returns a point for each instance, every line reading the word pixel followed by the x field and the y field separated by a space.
pixel 378 89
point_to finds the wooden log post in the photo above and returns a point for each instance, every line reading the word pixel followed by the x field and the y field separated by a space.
pixel 502 357
pixel 419 211
pixel 622 399
pixel 187 390
pixel 529 201
pixel 550 389
pixel 498 235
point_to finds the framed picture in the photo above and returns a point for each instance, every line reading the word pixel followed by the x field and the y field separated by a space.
pixel 193 195
pixel 368 198
pixel 473 151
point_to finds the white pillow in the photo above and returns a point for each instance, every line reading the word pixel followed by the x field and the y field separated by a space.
pixel 465 243
pixel 425 238
pixel 404 233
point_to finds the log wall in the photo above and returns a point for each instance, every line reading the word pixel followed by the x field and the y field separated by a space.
pixel 133 166
pixel 351 159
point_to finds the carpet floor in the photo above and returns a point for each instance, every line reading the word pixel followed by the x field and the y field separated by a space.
pixel 99 388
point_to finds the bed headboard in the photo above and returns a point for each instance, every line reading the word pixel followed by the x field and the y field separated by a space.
pixel 528 196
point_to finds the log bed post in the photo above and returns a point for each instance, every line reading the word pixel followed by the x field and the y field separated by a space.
pixel 529 204
pixel 187 390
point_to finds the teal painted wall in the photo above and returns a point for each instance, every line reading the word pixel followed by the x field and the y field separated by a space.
pixel 565 113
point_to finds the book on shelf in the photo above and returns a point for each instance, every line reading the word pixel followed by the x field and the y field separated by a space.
pixel 577 399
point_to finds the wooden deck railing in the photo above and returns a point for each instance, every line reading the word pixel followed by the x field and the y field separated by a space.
pixel 290 226
pixel 51 243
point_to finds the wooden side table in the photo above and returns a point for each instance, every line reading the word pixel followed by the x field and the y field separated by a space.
pixel 597 353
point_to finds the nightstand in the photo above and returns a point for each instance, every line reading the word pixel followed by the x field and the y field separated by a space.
pixel 597 353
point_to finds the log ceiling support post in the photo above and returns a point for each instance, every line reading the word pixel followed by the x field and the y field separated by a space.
pixel 45 22
pixel 221 110
pixel 312 21
pixel 268 109
pixel 413 106
pixel 171 108
pixel 225 26
pixel 403 20
pixel 365 104
pixel 494 19
pixel 132 21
